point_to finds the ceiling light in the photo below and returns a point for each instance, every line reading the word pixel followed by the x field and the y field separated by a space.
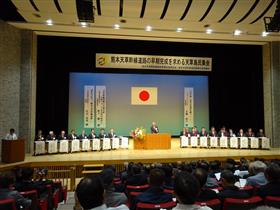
pixel 237 32
pixel 84 24
pixel 116 26
pixel 49 22
pixel 149 28
pixel 179 29
pixel 264 33
pixel 209 31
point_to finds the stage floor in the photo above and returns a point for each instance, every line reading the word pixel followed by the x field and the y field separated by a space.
pixel 174 154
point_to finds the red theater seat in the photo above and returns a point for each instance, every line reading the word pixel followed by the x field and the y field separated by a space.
pixel 248 189
pixel 272 201
pixel 8 204
pixel 32 195
pixel 242 204
pixel 170 191
pixel 168 205
pixel 214 204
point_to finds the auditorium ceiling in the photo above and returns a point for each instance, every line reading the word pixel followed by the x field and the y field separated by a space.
pixel 171 20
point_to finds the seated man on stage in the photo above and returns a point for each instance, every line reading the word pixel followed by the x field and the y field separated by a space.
pixel 260 133
pixel 203 132
pixel 231 133
pixel 51 136
pixel 112 134
pixel 185 132
pixel 240 133
pixel 154 128
pixel 223 132
pixel 73 135
pixel 194 131
pixel 250 133
pixel 39 136
pixel 62 135
pixel 213 132
pixel 83 135
pixel 92 134
pixel 102 133
pixel 12 135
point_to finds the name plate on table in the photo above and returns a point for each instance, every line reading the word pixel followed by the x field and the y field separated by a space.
pixel 106 145
pixel 85 144
pixel 63 146
pixel 265 143
pixel 39 147
pixel 203 141
pixel 244 143
pixel 52 146
pixel 184 141
pixel 75 145
pixel 115 143
pixel 194 141
pixel 254 143
pixel 96 144
pixel 213 142
pixel 233 141
pixel 223 142
pixel 124 142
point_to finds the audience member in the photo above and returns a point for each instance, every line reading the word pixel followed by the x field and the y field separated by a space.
pixel 168 181
pixel 136 178
pixel 90 194
pixel 7 180
pixel 186 189
pixel 256 171
pixel 11 135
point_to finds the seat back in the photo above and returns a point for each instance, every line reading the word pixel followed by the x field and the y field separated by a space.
pixel 8 204
pixel 250 190
pixel 33 196
pixel 167 205
pixel 214 204
pixel 272 201
pixel 242 204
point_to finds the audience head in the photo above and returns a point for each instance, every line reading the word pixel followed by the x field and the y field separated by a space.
pixel 186 188
pixel 272 173
pixel 156 178
pixel 256 167
pixel 201 175
pixel 90 192
pixel 27 174
pixel 136 169
pixel 228 178
pixel 107 176
pixel 203 164
pixel 7 178
pixel 214 166
pixel 168 170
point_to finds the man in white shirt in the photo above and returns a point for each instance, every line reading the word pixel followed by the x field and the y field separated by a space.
pixel 186 189
pixel 90 194
pixel 11 135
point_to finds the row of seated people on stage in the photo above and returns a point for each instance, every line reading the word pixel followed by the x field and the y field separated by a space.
pixel 21 180
pixel 187 183
pixel 72 136
pixel 222 133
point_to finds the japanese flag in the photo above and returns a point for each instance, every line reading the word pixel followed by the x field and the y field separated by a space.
pixel 144 95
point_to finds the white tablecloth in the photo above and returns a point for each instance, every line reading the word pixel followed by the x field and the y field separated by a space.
pixel 124 142
pixel 184 141
pixel 75 145
pixel 52 146
pixel 203 141
pixel 106 144
pixel 244 143
pixel 233 142
pixel 115 143
pixel 40 147
pixel 96 144
pixel 86 145
pixel 64 146
pixel 213 142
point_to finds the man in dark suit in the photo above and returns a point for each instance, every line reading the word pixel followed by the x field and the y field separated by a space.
pixel 213 132
pixel 92 134
pixel 272 188
pixel 39 136
pixel 154 194
pixel 229 189
pixel 7 180
pixel 137 178
pixel 250 133
pixel 223 132
pixel 260 133
pixel 185 132
pixel 73 135
pixel 194 131
pixel 203 132
pixel 51 136
pixel 240 133
pixel 83 135
pixel 154 128
pixel 62 135
pixel 112 134
pixel 102 133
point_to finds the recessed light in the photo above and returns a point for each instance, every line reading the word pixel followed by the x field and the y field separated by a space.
pixel 237 32
pixel 117 26
pixel 49 22
pixel 149 28
pixel 209 31
pixel 179 29
pixel 264 33
pixel 84 24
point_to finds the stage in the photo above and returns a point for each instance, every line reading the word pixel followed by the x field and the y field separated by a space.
pixel 148 156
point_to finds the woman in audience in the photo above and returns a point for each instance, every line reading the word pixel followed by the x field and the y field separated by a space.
pixel 256 171
pixel 186 190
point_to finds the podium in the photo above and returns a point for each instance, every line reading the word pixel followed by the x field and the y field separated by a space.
pixel 13 150
pixel 154 141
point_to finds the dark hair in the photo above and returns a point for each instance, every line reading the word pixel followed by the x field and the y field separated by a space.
pixel 168 170
pixel 107 176
pixel 136 169
pixel 7 178
pixel 201 175
pixel 273 172
pixel 214 165
pixel 156 177
pixel 203 164
pixel 186 187
pixel 12 130
pixel 90 192
pixel 27 173
pixel 228 176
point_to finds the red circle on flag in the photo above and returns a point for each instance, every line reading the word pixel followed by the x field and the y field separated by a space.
pixel 144 95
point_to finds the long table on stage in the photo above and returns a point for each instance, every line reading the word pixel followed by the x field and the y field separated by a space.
pixel 154 141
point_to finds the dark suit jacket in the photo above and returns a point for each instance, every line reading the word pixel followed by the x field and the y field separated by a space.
pixel 82 137
pixel 185 134
pixel 62 137
pixel 154 129
pixel 101 136
pixel 72 137
pixel 110 135
pixel 250 135
pixel 136 180
pixel 39 138
pixel 195 133
pixel 153 195
pixel 260 134
pixel 239 135
pixel 92 136
pixel 232 192
pixel 49 137
pixel 203 134
pixel 30 185
pixel 270 189
pixel 12 194
pixel 206 194
pixel 213 135
pixel 220 134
